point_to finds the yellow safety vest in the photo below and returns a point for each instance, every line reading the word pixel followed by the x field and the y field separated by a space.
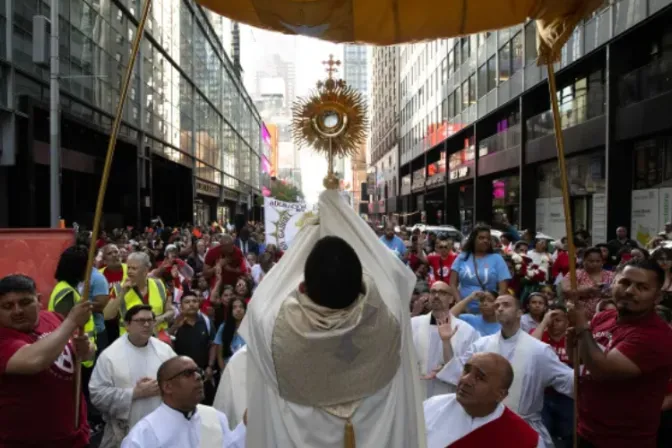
pixel 61 290
pixel 157 300
pixel 118 286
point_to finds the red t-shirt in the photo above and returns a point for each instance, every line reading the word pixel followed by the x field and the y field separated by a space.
pixel 558 347
pixel 441 266
pixel 113 278
pixel 413 262
pixel 228 278
pixel 38 410
pixel 625 413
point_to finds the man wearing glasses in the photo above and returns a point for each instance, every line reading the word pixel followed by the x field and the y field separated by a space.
pixel 181 421
pixel 123 385
pixel 438 336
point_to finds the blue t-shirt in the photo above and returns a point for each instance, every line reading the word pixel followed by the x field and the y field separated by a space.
pixel 99 287
pixel 396 245
pixel 492 269
pixel 236 343
pixel 484 328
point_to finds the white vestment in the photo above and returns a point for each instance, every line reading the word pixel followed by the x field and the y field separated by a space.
pixel 168 428
pixel 392 416
pixel 429 349
pixel 231 397
pixel 535 367
pixel 447 421
pixel 114 377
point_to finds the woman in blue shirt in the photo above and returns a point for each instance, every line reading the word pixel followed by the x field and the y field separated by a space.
pixel 478 268
pixel 227 340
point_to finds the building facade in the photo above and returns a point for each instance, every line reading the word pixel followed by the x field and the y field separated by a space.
pixel 353 169
pixel 190 144
pixel 476 130
pixel 384 130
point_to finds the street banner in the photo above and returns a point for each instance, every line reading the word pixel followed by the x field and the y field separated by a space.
pixel 35 253
pixel 644 218
pixel 283 220
pixel 664 207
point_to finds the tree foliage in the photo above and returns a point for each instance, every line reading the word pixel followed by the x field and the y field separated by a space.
pixel 284 190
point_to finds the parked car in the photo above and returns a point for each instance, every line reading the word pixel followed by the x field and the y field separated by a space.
pixel 445 231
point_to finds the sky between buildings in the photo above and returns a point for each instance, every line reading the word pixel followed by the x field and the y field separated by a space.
pixel 257 47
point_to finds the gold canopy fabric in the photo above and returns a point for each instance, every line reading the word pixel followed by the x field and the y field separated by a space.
pixel 387 22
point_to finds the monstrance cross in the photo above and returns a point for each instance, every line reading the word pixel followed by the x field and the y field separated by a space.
pixel 331 65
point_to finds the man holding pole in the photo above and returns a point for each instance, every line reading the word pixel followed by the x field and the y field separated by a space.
pixel 38 355
pixel 627 363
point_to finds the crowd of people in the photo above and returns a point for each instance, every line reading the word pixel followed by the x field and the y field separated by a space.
pixel 518 282
pixel 493 324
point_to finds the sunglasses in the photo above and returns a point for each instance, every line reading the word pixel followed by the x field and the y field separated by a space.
pixel 188 373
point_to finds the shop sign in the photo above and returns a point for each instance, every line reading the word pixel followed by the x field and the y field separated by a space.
pixel 435 180
pixel 228 195
pixel 207 189
pixel 418 180
pixel 406 185
pixel 459 173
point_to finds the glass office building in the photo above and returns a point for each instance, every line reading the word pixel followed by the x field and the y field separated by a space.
pixel 476 130
pixel 190 143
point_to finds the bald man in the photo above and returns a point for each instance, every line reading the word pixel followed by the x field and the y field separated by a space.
pixel 534 363
pixel 438 336
pixel 180 421
pixel 475 416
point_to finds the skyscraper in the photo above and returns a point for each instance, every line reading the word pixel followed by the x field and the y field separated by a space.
pixel 356 75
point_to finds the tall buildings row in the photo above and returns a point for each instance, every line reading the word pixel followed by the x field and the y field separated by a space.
pixel 353 169
pixel 273 84
pixel 475 130
pixel 190 147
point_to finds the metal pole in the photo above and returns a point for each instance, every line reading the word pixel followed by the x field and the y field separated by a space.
pixel 54 122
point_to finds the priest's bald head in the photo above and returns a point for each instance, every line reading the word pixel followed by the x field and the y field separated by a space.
pixel 484 383
pixel 333 274
pixel 181 383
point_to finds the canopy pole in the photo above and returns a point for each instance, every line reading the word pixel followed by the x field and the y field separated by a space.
pixel 103 184
pixel 571 250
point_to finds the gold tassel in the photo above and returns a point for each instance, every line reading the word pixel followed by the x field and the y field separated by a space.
pixel 349 435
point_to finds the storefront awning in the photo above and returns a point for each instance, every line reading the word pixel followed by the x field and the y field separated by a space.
pixel 387 22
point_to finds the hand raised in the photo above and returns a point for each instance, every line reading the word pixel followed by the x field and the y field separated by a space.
pixel 446 329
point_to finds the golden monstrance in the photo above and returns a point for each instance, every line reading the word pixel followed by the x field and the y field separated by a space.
pixel 331 120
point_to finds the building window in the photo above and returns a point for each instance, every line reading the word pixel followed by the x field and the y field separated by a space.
pixel 482 80
pixel 505 62
pixel 492 73
pixel 472 89
pixel 451 62
pixel 458 60
pixel 466 49
pixel 530 42
pixel 451 106
pixel 517 52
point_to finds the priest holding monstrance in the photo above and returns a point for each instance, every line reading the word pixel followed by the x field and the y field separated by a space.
pixel 330 350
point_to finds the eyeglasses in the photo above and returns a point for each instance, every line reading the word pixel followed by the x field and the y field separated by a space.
pixel 143 322
pixel 443 246
pixel 188 373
